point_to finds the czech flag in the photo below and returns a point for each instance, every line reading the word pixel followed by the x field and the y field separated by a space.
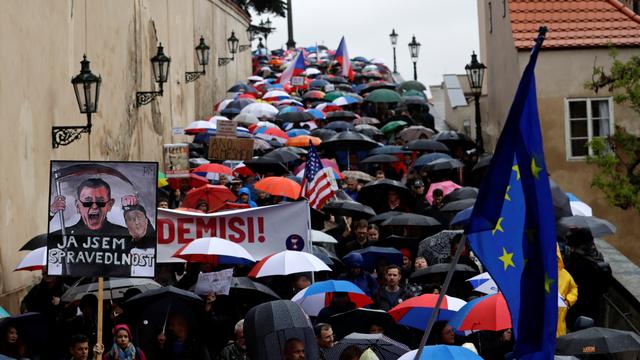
pixel 342 57
pixel 295 68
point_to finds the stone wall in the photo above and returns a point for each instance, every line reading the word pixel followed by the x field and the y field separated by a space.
pixel 42 44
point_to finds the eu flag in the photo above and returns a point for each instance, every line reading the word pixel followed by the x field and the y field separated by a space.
pixel 512 228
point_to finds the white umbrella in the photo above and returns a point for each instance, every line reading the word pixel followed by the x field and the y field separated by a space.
pixel 276 94
pixel 215 118
pixel 260 110
pixel 35 260
pixel 255 78
pixel 578 207
pixel 223 104
pixel 200 125
pixel 216 250
pixel 320 237
pixel 246 119
pixel 311 71
pixel 485 284
pixel 288 262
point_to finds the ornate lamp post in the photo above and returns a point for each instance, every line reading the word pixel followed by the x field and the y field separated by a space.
pixel 394 41
pixel 475 76
pixel 86 85
pixel 414 50
pixel 160 66
pixel 202 52
pixel 232 43
pixel 250 37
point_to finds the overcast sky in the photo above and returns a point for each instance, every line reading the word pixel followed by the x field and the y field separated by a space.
pixel 447 30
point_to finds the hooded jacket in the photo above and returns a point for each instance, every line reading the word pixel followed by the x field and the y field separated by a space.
pixel 568 290
pixel 246 191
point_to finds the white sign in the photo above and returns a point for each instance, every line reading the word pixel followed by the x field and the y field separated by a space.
pixel 217 283
pixel 177 131
pixel 297 81
pixel 226 128
pixel 329 87
pixel 262 231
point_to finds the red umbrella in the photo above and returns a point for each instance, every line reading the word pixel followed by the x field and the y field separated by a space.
pixel 279 186
pixel 213 168
pixel 242 170
pixel 486 313
pixel 214 195
pixel 194 181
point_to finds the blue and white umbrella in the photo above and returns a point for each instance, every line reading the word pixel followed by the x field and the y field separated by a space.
pixel 579 207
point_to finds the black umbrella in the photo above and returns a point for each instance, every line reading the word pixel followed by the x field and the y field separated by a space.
pixel 408 219
pixel 323 134
pixel 348 140
pixel 239 104
pixel 114 288
pixel 293 149
pixel 388 149
pixel 268 326
pixel 245 289
pixel 561 206
pixel 400 242
pixel 375 192
pixel 436 249
pixel 360 320
pixel 282 155
pixel 380 159
pixel 318 84
pixel 374 85
pixel 384 216
pixel 369 130
pixel 452 139
pixel 482 163
pixel 243 88
pixel 597 340
pixel 341 115
pixel 465 192
pixel 414 100
pixel 384 347
pixel 458 205
pixel 325 255
pixel 32 328
pixel 36 242
pixel 264 165
pixel 294 117
pixel 444 164
pixel 353 209
pixel 426 145
pixel 598 227
pixel 340 125
pixel 436 273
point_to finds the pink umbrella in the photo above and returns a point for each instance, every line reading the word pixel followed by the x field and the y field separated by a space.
pixel 445 186
pixel 288 262
pixel 35 260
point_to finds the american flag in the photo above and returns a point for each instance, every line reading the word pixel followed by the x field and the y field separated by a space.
pixel 319 184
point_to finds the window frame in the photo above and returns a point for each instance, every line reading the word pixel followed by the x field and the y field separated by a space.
pixel 567 123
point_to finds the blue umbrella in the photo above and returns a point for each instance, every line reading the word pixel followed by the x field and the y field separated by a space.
pixel 442 352
pixel 319 115
pixel 462 218
pixel 297 132
pixel 318 84
pixel 371 254
pixel 427 158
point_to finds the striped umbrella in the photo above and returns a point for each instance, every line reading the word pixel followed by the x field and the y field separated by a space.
pixel 287 262
pixel 319 295
pixel 416 311
pixel 489 312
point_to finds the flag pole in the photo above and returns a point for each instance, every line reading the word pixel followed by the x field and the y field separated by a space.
pixel 100 309
pixel 443 292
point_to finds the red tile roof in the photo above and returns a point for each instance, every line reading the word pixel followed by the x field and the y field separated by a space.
pixel 574 23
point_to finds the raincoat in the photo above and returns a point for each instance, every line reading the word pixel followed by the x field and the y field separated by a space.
pixel 568 290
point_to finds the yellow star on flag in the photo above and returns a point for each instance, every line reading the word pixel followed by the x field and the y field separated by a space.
pixel 498 226
pixel 506 194
pixel 535 169
pixel 517 170
pixel 547 283
pixel 507 259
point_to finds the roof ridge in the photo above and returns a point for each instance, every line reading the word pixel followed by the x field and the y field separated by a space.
pixel 625 10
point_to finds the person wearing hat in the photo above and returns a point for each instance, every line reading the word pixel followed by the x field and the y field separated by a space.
pixel 139 226
pixel 355 274
pixel 417 190
pixel 123 348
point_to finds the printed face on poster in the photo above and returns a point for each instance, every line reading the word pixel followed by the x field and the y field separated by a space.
pixel 176 160
pixel 102 219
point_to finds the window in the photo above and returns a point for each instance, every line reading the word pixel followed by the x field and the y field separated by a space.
pixel 586 119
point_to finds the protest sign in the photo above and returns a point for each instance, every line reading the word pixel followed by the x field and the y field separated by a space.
pixel 217 283
pixel 261 231
pixel 226 129
pixel 176 160
pixel 230 149
pixel 102 219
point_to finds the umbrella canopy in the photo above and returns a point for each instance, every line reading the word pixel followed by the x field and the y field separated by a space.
pixel 360 320
pixel 578 207
pixel 366 120
pixel 358 175
pixel 459 205
pixel 264 165
pixel 489 312
pixel 35 242
pixel 114 288
pixel 287 262
pixel 282 155
pixel 369 130
pixel 260 110
pixel 212 171
pixel 214 195
pixel 323 134
pixel 483 283
pixel 242 88
pixel 32 329
pixel 598 227
pixel 597 340
pixel 35 260
pixel 393 126
pixel 318 295
pixel 245 289
pixel 561 205
pixel 465 192
pixel 380 159
pixel 384 216
pixel 347 100
pixel 200 126
pixel 372 192
pixel 371 254
pixel 389 150
pixel 294 117
pixel 425 159
pixel 313 95
pixel 194 181
pixel 428 145
pixel 436 249
pixel 442 352
pixel 411 85
pixel 348 140
pixel 383 96
pixel 382 346
pixel 214 250
pixel 415 132
pixel 416 311
pixel 408 219
pixel 436 273
pixel 317 114
pixel 319 237
pixel 444 164
pixel 303 141
pixel 279 186
pixel 349 208
pixel 340 125
pixel 341 115
pixel 268 326
pixel 452 139
pixel 333 95
pixel 446 187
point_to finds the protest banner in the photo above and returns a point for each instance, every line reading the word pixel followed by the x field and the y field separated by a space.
pixel 226 129
pixel 261 231
pixel 102 219
pixel 230 149
pixel 176 160
pixel 217 283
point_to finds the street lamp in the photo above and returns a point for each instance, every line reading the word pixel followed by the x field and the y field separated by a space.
pixel 86 85
pixel 250 37
pixel 202 52
pixel 394 41
pixel 475 75
pixel 160 66
pixel 414 50
pixel 266 30
pixel 232 43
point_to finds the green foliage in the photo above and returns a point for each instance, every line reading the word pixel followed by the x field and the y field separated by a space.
pixel 275 7
pixel 618 157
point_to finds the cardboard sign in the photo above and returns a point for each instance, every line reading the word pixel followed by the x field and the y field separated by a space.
pixel 102 219
pixel 230 149
pixel 176 160
pixel 226 129
pixel 259 230
pixel 217 283
pixel 297 81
